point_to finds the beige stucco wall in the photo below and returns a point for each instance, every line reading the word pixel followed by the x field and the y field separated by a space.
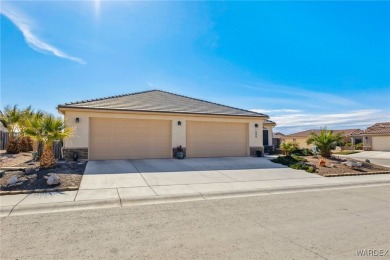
pixel 255 134
pixel 301 141
pixel 179 132
pixel 80 137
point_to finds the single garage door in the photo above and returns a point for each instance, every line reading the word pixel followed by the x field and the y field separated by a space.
pixel 129 139
pixel 381 143
pixel 215 139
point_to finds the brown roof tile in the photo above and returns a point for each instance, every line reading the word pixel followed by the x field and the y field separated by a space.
pixel 160 101
pixel 346 132
pixel 378 128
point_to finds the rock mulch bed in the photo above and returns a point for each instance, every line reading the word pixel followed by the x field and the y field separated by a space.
pixel 7 160
pixel 35 179
pixel 335 167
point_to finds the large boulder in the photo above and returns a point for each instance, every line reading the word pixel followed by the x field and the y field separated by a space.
pixel 54 179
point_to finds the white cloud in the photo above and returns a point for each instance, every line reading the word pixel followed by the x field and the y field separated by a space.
pixel 294 122
pixel 271 111
pixel 307 96
pixel 24 25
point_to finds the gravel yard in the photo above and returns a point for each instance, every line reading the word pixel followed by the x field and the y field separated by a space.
pixel 335 165
pixel 8 160
pixel 34 178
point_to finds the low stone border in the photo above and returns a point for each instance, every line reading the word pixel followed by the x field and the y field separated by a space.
pixel 15 168
pixel 354 174
pixel 13 192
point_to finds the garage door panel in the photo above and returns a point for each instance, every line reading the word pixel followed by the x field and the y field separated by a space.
pixel 129 139
pixel 215 139
pixel 381 143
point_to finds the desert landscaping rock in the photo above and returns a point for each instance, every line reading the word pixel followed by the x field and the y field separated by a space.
pixel 53 179
pixel 69 173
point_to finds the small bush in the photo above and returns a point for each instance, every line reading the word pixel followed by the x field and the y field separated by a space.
pixel 24 144
pixel 302 152
pixel 13 147
pixel 285 160
pixel 294 162
pixel 359 146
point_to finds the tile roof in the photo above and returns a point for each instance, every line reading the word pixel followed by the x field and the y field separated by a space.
pixel 269 122
pixel 347 132
pixel 378 128
pixel 160 101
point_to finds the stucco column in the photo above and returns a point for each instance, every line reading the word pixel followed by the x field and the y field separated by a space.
pixel 255 137
pixel 270 134
pixel 179 127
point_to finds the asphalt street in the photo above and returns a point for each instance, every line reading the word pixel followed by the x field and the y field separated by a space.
pixel 328 224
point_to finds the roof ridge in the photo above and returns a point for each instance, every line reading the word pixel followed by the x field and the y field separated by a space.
pixel 202 100
pixel 115 96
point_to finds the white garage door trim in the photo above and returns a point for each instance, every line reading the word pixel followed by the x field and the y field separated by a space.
pixel 116 138
pixel 217 139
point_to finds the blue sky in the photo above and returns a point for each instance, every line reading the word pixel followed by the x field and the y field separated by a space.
pixel 306 64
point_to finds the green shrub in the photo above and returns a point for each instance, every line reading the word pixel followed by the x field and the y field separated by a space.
pixel 302 152
pixel 359 146
pixel 294 162
pixel 285 160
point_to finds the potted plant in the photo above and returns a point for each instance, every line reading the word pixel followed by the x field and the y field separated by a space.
pixel 179 152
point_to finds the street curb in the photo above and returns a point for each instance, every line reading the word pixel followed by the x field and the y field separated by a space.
pixel 148 200
pixel 13 192
pixel 63 206
pixel 355 174
pixel 144 200
pixel 269 191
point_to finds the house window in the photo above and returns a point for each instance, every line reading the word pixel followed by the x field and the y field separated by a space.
pixel 265 137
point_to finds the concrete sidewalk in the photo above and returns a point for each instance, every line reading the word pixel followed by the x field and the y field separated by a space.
pixel 170 189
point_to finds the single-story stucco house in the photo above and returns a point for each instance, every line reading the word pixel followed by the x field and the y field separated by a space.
pixel 377 137
pixel 300 138
pixel 152 124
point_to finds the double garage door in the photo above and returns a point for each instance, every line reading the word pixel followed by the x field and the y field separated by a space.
pixel 140 139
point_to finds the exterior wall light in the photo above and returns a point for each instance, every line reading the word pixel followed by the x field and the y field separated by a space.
pixel 256 125
pixel 77 120
pixel 178 122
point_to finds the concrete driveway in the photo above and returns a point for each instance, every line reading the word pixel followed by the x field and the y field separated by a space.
pixel 377 157
pixel 170 176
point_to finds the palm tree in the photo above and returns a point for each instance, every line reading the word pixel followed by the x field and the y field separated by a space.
pixel 24 140
pixel 10 118
pixel 34 129
pixel 325 141
pixel 47 129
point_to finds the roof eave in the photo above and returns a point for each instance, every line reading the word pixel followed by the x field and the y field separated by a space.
pixel 62 108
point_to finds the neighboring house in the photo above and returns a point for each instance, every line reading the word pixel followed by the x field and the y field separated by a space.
pixel 277 139
pixel 377 137
pixel 152 124
pixel 300 138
